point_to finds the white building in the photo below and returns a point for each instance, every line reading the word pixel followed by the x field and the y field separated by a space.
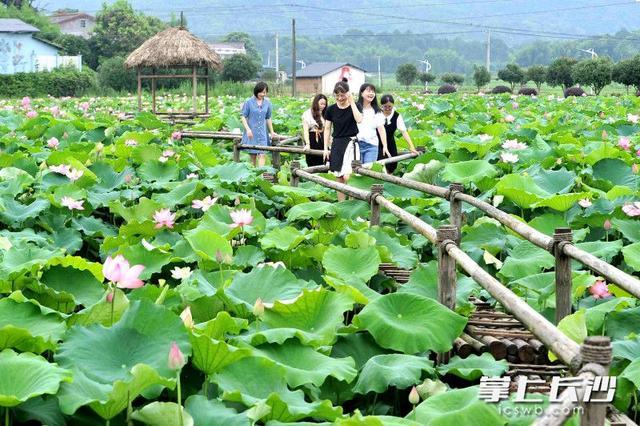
pixel 320 77
pixel 74 23
pixel 226 50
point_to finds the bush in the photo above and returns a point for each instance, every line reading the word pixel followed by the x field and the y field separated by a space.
pixel 112 74
pixel 559 72
pixel 574 91
pixel 528 91
pixel 512 74
pixel 447 88
pixel 594 72
pixel 58 83
pixel 481 76
pixel 239 68
pixel 500 89
pixel 452 78
pixel 406 74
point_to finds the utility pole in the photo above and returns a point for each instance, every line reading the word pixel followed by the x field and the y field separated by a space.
pixel 293 57
pixel 277 59
pixel 379 75
pixel 489 51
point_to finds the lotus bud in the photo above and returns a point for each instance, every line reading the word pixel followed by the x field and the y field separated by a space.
pixel 438 132
pixel 187 318
pixel 601 114
pixel 414 397
pixel 162 282
pixel 99 147
pixel 43 166
pixel 176 357
pixel 605 135
pixel 110 297
pixel 607 225
pixel 634 168
pixel 219 257
pixel 258 308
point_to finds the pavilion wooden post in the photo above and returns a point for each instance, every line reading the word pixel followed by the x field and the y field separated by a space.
pixel 195 90
pixel 596 353
pixel 562 237
pixel 206 90
pixel 153 90
pixel 376 190
pixel 455 208
pixel 446 234
pixel 295 180
pixel 236 150
pixel 139 91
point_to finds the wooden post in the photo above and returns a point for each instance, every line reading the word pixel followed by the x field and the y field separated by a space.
pixel 446 234
pixel 355 165
pixel 455 208
pixel 153 93
pixel 276 160
pixel 295 180
pixel 236 150
pixel 139 91
pixel 206 91
pixel 376 189
pixel 561 237
pixel 195 90
pixel 596 353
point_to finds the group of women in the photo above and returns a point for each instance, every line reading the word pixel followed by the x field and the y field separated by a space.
pixel 345 131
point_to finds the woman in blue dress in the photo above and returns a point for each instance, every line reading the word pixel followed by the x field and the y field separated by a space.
pixel 256 117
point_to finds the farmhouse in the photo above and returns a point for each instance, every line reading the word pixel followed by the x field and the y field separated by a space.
pixel 226 50
pixel 320 77
pixel 21 51
pixel 74 23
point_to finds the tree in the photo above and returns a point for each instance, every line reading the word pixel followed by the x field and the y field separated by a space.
pixel 426 77
pixel 112 74
pixel 452 78
pixel 249 45
pixel 120 30
pixel 559 72
pixel 481 76
pixel 537 74
pixel 25 12
pixel 595 72
pixel 627 72
pixel 239 68
pixel 512 74
pixel 75 45
pixel 406 74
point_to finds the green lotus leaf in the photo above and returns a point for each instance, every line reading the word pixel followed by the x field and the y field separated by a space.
pixel 440 105
pixel 155 171
pixel 620 324
pixel 358 419
pixel 13 181
pixel 603 151
pixel 631 255
pixel 14 213
pixel 573 326
pixel 473 367
pixel 476 145
pixel 401 252
pixel 239 383
pixel 303 365
pixel 632 372
pixel 353 287
pixel 397 370
pixel 153 260
pixel 230 172
pixel 108 179
pixel 628 227
pixel 597 314
pixel 285 239
pixel 410 323
pixel 211 356
pixel 461 407
pixel 17 260
pixel 345 263
pixel 554 181
pixel 359 346
pixel 466 172
pixel 522 190
pixel 311 210
pixel 615 172
pixel 25 327
pixel 101 311
pixel 222 325
pixel 483 235
pixel 627 349
pixel 526 259
pixel 141 212
pixel 207 244
pixel 605 250
pixel 40 409
pixel 618 191
pixel 24 376
pixel 267 283
pixel 162 414
pixel 561 202
pixel 178 195
pixel 312 318
pixel 246 256
pixel 81 285
pixel 206 412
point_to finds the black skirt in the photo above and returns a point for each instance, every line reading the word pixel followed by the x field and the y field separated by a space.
pixel 393 150
pixel 339 150
pixel 316 141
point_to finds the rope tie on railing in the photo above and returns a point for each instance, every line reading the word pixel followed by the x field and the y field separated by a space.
pixel 454 189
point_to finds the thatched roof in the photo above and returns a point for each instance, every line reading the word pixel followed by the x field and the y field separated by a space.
pixel 173 47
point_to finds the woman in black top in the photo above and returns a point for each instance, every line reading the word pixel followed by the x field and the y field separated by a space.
pixel 343 118
pixel 393 121
pixel 313 128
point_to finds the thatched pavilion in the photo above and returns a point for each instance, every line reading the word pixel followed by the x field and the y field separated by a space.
pixel 174 48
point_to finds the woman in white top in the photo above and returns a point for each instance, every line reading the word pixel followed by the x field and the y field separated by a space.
pixel 393 121
pixel 312 128
pixel 371 130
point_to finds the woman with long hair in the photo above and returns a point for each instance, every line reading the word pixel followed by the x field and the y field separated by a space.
pixel 371 132
pixel 341 122
pixel 393 121
pixel 256 117
pixel 313 127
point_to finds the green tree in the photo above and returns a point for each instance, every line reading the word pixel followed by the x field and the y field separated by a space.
pixel 120 30
pixel 22 10
pixel 452 78
pixel 406 74
pixel 427 77
pixel 594 72
pixel 113 75
pixel 627 72
pixel 537 74
pixel 74 45
pixel 481 76
pixel 512 74
pixel 559 72
pixel 249 45
pixel 239 68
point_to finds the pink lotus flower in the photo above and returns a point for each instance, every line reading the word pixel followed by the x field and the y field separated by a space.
pixel 414 397
pixel 192 176
pixel 599 290
pixel 634 168
pixel 110 297
pixel 32 114
pixel 26 102
pixel 514 145
pixel 130 142
pixel 484 137
pixel 258 308
pixel 118 271
pixel 163 159
pixel 584 203
pixel 204 204
pixel 176 357
pixel 509 118
pixel 84 106
pixel 633 118
pixel 515 105
pixel 638 155
pixel 176 136
pixel 605 135
pixel 241 218
pixel 187 318
pixel 128 177
pixel 181 273
pixel 168 153
pixel 508 157
pixel 74 174
pixel 624 143
pixel 63 169
pixel 53 143
pixel 72 204
pixel 55 111
pixel 606 225
pixel 438 132
pixel 164 217
pixel 632 209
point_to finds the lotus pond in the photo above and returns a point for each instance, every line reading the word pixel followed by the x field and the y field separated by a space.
pixel 134 259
